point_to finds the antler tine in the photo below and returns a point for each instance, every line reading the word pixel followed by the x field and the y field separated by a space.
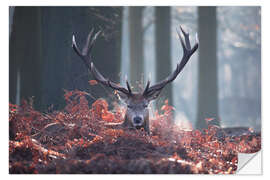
pixel 186 48
pixel 86 57
pixel 128 86
pixel 187 53
pixel 147 84
pixel 186 35
pixel 93 41
pixel 146 88
pixel 75 47
pixel 85 54
pixel 86 49
pixel 129 89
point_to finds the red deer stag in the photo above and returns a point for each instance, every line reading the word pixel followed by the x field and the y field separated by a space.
pixel 137 114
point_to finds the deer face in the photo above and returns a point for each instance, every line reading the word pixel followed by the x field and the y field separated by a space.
pixel 137 110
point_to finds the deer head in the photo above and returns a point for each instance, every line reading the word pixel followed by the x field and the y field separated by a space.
pixel 137 114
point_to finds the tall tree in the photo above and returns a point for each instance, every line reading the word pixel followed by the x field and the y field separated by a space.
pixel 25 55
pixel 56 35
pixel 136 44
pixel 11 13
pixel 41 50
pixel 163 47
pixel 66 65
pixel 207 76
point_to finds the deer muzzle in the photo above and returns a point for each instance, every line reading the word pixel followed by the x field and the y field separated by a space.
pixel 137 121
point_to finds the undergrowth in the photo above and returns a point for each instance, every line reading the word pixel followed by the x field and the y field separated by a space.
pixel 77 140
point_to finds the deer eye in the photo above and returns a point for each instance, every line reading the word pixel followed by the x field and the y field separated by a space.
pixel 129 106
pixel 145 105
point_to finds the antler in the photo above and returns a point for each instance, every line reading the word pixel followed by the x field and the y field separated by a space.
pixel 87 59
pixel 188 51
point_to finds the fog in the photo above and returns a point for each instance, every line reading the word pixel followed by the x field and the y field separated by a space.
pixel 238 57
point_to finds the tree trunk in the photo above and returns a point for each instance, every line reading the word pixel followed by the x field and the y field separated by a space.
pixel 11 14
pixel 64 67
pixel 136 45
pixel 207 87
pixel 56 26
pixel 163 48
pixel 51 29
pixel 25 54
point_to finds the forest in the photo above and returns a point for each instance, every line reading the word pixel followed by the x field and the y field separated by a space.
pixel 58 110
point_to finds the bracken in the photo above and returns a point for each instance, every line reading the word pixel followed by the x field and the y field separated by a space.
pixel 75 140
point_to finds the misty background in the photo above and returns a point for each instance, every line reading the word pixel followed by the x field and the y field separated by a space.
pixel 222 80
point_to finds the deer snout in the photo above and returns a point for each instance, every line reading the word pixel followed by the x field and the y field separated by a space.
pixel 137 120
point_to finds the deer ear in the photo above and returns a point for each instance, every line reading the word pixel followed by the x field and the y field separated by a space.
pixel 152 95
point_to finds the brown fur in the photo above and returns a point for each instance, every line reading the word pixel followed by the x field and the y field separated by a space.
pixel 127 124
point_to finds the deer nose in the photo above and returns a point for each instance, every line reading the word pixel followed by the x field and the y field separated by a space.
pixel 137 120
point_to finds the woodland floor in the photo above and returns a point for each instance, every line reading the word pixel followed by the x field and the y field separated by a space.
pixel 75 140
